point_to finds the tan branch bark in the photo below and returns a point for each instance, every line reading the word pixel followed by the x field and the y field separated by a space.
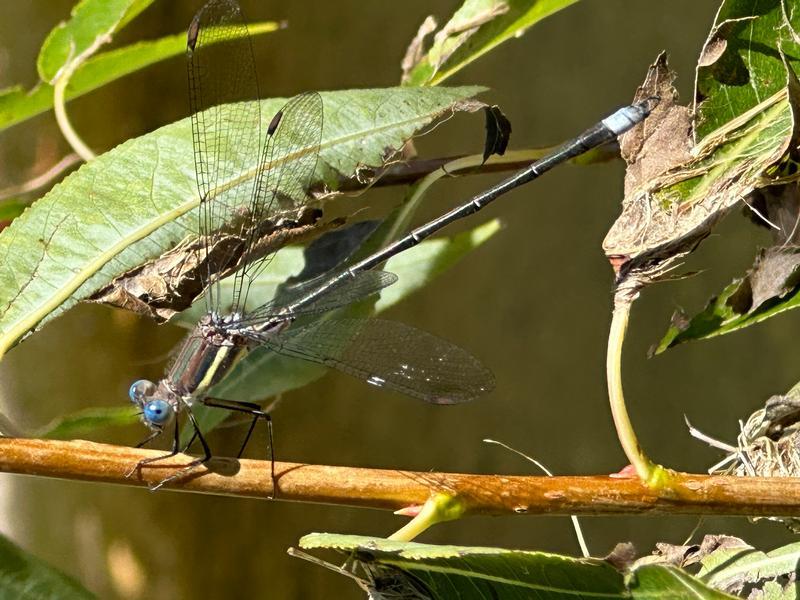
pixel 394 489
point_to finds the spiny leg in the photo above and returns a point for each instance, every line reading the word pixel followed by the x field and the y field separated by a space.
pixel 147 461
pixel 149 438
pixel 190 442
pixel 198 461
pixel 257 413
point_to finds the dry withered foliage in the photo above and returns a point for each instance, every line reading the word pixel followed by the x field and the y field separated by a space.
pixel 677 189
pixel 168 284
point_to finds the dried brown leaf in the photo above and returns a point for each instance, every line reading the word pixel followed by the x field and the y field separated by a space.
pixel 676 192
pixel 169 284
pixel 663 140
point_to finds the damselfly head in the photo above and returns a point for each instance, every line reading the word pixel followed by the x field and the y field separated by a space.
pixel 156 412
pixel 141 390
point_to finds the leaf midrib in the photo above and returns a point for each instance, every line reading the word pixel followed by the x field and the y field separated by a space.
pixel 31 318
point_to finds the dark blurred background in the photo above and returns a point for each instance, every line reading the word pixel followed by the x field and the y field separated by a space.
pixel 533 303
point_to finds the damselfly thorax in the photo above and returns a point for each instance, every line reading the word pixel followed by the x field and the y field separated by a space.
pixel 210 352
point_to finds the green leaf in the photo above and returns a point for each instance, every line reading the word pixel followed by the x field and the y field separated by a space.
pixel 25 577
pixel 263 374
pixel 413 570
pixel 660 581
pixel 17 105
pixel 475 29
pixel 419 265
pixel 286 263
pixel 136 7
pixel 139 200
pixel 725 313
pixel 87 421
pixel 91 24
pixel 742 62
pixel 471 572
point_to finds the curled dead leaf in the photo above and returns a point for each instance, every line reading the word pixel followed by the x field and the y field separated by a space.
pixel 675 191
pixel 169 284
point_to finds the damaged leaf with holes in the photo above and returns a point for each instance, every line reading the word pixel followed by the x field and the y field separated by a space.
pixel 676 190
pixel 721 145
pixel 745 58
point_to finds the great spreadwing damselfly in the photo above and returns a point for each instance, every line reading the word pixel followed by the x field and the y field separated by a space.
pixel 237 199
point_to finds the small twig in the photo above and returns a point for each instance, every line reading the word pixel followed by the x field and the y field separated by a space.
pixel 392 489
pixel 703 437
pixel 411 171
pixel 40 180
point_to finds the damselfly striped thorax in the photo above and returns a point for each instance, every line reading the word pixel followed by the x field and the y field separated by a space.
pixel 248 174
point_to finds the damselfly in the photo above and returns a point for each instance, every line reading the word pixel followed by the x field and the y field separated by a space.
pixel 236 200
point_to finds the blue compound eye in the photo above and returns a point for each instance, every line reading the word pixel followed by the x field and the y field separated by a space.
pixel 140 390
pixel 157 412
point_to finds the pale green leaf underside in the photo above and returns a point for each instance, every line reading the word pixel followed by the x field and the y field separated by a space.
pixel 418 266
pixel 477 572
pixel 481 573
pixel 17 104
pixel 734 565
pixel 83 422
pixel 415 267
pixel 138 200
pixel 661 582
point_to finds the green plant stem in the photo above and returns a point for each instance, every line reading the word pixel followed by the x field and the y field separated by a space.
pixel 644 467
pixel 424 173
pixel 60 83
pixel 64 124
pixel 418 191
pixel 437 509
